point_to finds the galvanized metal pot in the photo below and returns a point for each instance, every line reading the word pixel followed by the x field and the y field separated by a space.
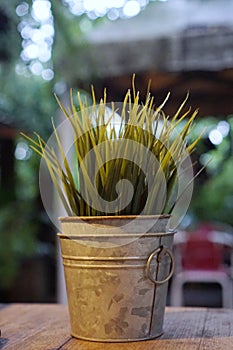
pixel 116 281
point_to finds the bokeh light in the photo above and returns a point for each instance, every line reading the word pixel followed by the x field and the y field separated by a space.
pixel 113 9
pixel 215 137
pixel 37 31
pixel 37 27
pixel 223 127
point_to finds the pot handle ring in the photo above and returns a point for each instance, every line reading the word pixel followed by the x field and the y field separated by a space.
pixel 160 252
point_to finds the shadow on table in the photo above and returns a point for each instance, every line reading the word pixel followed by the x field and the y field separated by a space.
pixel 3 342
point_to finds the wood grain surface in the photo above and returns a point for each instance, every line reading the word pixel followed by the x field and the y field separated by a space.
pixel 46 327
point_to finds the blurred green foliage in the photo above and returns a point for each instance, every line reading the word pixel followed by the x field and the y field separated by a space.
pixel 18 226
pixel 213 192
pixel 27 103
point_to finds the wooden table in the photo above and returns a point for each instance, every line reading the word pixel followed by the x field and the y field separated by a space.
pixel 46 327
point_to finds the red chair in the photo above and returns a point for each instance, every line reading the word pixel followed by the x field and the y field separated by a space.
pixel 201 260
pixel 202 255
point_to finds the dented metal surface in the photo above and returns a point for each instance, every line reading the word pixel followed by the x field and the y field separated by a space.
pixel 110 296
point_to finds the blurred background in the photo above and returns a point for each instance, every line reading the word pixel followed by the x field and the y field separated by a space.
pixel 49 46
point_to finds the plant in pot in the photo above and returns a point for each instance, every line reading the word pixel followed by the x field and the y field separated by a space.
pixel 125 169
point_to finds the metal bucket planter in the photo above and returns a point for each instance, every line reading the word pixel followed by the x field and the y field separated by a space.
pixel 116 281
